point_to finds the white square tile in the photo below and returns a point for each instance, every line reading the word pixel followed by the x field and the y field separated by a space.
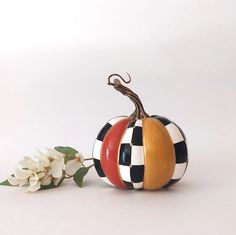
pixel 179 170
pixel 139 122
pixel 125 173
pixel 127 136
pixel 138 185
pixel 137 155
pixel 175 133
pixel 97 149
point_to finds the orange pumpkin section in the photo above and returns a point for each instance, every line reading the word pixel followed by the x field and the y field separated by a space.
pixel 110 152
pixel 159 154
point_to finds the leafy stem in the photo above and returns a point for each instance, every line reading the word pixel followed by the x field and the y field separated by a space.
pixel 50 169
pixel 88 159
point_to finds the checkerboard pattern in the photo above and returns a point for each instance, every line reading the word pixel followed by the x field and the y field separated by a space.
pixel 131 156
pixel 180 145
pixel 98 145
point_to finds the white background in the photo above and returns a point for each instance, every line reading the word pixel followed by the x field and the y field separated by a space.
pixel 55 57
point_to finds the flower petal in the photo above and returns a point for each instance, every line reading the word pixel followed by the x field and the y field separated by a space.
pixel 40 175
pixel 43 160
pixel 57 166
pixel 13 180
pixel 33 180
pixel 22 174
pixel 54 153
pixel 34 187
pixel 56 181
pixel 80 157
pixel 24 182
pixel 28 162
pixel 46 180
pixel 72 166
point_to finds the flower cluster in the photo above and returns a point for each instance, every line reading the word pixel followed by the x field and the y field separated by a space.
pixel 47 169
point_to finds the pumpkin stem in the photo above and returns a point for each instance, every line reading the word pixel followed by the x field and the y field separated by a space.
pixel 139 110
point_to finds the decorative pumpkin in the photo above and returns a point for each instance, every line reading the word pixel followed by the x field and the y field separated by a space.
pixel 139 151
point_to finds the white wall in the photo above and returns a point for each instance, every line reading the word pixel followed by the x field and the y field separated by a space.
pixel 55 57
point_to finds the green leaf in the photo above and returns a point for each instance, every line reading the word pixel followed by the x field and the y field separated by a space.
pixel 5 183
pixel 68 158
pixel 68 151
pixel 52 185
pixel 79 175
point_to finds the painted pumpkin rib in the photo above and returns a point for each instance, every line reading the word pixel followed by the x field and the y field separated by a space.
pixel 110 152
pixel 131 157
pixel 98 145
pixel 159 154
pixel 180 146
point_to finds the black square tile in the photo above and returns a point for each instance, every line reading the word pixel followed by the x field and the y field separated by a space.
pixel 103 131
pixel 125 154
pixel 98 168
pixel 137 137
pixel 128 184
pixel 171 182
pixel 181 152
pixel 163 120
pixel 136 173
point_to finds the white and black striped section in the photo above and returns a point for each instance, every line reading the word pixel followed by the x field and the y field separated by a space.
pixel 131 156
pixel 180 146
pixel 98 145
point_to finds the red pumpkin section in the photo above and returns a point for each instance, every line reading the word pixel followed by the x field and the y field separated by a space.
pixel 110 152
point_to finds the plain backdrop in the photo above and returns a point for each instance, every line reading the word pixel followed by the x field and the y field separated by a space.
pixel 55 57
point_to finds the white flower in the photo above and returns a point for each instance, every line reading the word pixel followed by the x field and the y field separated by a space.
pixel 73 165
pixel 54 153
pixel 39 171
pixel 13 180
pixel 80 157
pixel 46 180
pixel 56 181
pixel 22 174
pixel 57 167
pixel 35 184
pixel 29 163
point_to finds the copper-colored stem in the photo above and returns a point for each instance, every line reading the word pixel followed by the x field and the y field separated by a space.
pixel 139 110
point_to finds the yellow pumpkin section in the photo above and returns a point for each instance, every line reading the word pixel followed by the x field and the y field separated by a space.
pixel 159 154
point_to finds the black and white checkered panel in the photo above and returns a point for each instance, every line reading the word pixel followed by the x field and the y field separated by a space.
pixel 98 145
pixel 131 156
pixel 180 145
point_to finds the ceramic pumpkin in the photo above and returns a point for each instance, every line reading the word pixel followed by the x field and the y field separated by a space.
pixel 139 151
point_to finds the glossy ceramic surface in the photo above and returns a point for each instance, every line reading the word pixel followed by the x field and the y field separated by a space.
pixel 140 154
pixel 159 154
